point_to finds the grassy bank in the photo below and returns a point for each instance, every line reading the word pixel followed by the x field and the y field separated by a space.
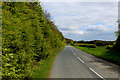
pixel 42 70
pixel 103 53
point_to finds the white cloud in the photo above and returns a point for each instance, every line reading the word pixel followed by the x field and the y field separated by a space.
pixel 73 32
pixel 99 28
pixel 71 17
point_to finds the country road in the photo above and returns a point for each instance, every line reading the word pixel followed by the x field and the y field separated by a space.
pixel 74 63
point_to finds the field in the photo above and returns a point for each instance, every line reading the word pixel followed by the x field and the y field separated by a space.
pixel 101 52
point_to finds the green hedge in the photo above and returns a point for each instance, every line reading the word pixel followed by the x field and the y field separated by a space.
pixel 109 46
pixel 85 45
pixel 27 37
pixel 88 45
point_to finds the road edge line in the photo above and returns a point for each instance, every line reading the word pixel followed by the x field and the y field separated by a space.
pixel 80 60
pixel 96 73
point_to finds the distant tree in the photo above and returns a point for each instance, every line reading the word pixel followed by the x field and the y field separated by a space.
pixel 69 41
pixel 75 41
pixel 47 15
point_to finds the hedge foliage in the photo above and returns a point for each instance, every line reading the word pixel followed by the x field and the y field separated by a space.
pixel 96 42
pixel 86 45
pixel 109 46
pixel 27 37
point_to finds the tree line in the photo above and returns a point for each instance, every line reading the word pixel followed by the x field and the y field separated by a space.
pixel 96 42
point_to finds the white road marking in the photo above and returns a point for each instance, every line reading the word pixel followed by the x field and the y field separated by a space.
pixel 97 73
pixel 74 54
pixel 80 60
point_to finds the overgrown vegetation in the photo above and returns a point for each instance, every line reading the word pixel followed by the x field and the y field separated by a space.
pixel 27 38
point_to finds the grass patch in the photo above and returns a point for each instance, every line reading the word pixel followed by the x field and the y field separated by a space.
pixel 103 53
pixel 43 68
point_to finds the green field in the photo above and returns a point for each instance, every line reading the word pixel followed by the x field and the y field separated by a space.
pixel 42 70
pixel 103 53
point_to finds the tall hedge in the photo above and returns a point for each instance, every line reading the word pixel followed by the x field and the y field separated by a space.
pixel 27 37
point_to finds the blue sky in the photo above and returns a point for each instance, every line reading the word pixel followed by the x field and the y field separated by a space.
pixel 85 20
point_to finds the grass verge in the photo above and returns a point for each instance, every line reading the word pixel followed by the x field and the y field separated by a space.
pixel 103 53
pixel 42 70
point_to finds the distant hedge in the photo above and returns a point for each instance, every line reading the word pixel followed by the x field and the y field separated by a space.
pixel 27 37
pixel 88 45
pixel 109 46
pixel 96 42
pixel 68 41
pixel 85 45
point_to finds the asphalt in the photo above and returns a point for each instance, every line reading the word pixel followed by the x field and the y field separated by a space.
pixel 74 63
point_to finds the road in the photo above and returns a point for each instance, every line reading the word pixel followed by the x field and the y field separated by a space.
pixel 74 63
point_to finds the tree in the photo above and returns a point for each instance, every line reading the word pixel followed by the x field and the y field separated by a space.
pixel 47 15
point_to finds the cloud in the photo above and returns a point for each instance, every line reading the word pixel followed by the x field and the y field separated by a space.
pixel 72 32
pixel 85 20
pixel 99 28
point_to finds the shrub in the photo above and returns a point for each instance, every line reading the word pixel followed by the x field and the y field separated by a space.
pixel 109 46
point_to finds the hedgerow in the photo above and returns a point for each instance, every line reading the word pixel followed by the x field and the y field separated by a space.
pixel 86 45
pixel 27 37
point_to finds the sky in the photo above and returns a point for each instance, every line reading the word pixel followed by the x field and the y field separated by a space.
pixel 85 20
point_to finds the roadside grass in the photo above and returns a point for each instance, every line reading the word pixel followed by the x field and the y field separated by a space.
pixel 103 53
pixel 42 70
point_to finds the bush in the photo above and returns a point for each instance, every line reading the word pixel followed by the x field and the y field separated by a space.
pixel 109 46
